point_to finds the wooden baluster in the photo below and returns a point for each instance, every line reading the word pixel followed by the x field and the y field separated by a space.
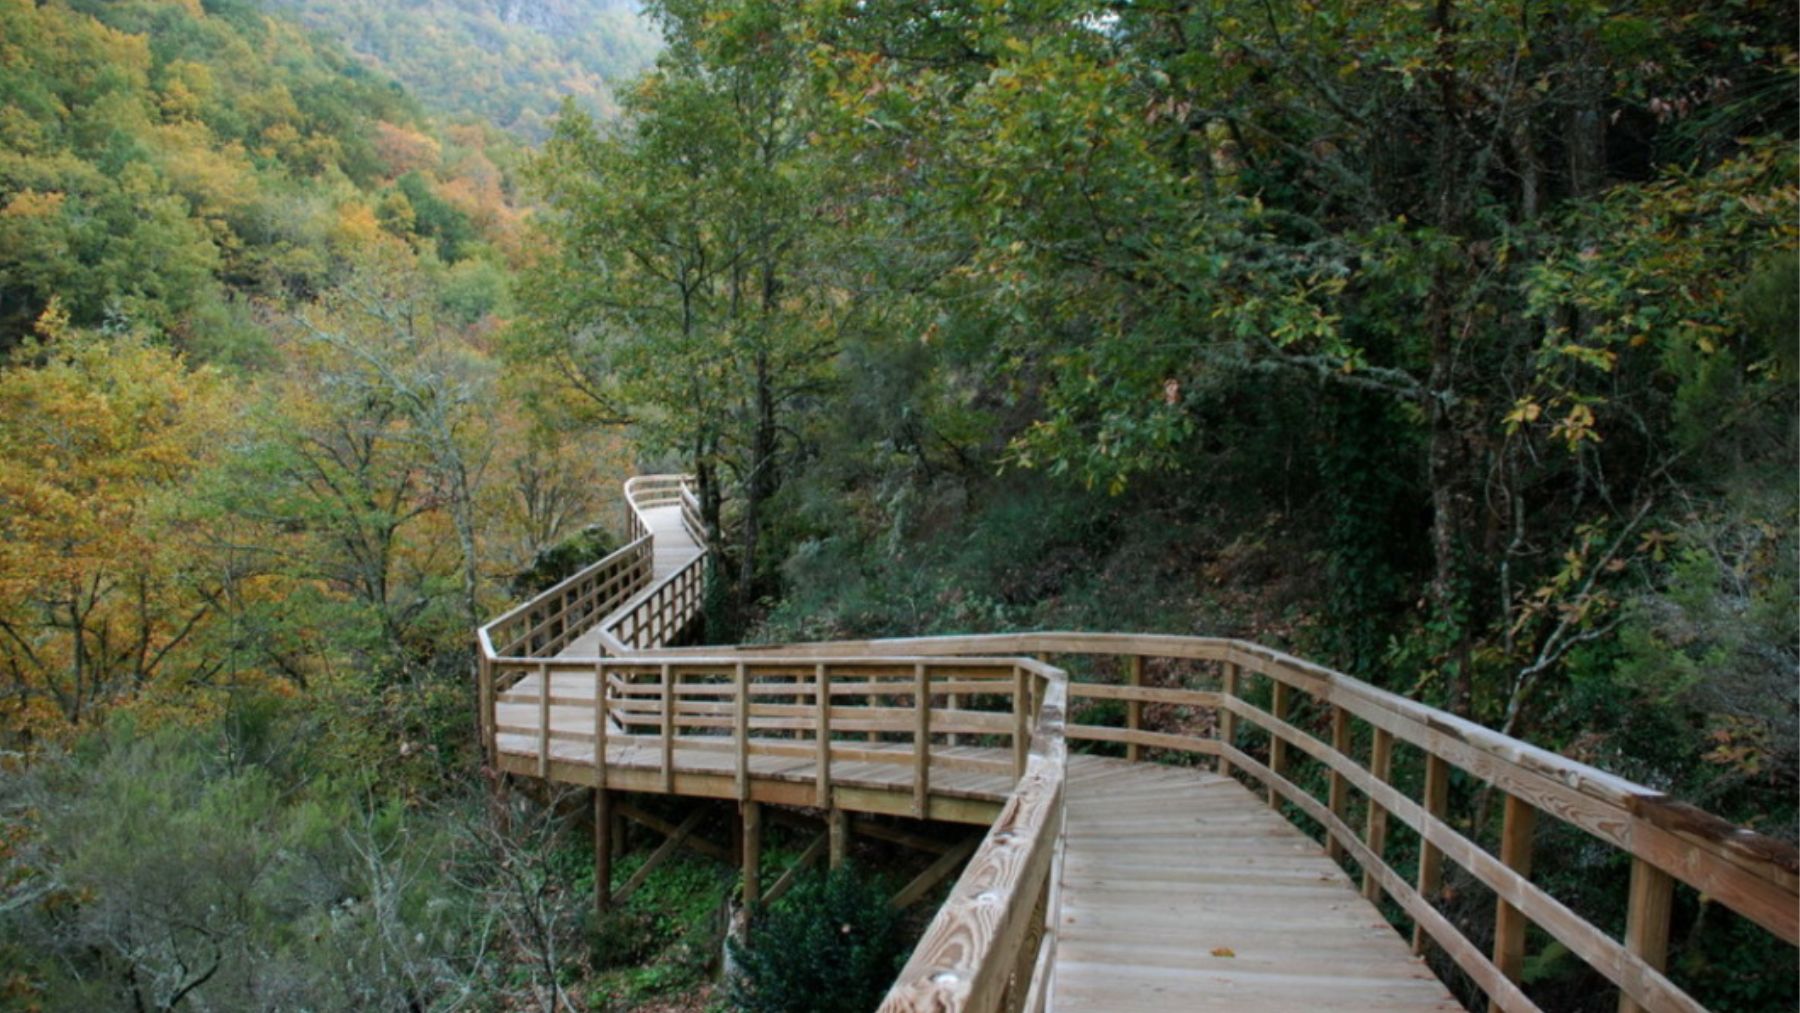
pixel 544 721
pixel 921 741
pixel 1278 708
pixel 490 739
pixel 741 731
pixel 1381 764
pixel 1647 920
pixel 1134 710
pixel 1021 723
pixel 668 730
pixel 953 703
pixel 1228 720
pixel 600 724
pixel 1516 830
pixel 1338 794
pixel 822 733
pixel 1436 801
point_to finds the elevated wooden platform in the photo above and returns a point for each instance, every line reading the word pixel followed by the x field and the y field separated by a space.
pixel 1102 884
pixel 1181 890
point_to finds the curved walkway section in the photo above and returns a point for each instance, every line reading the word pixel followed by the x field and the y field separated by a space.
pixel 1109 884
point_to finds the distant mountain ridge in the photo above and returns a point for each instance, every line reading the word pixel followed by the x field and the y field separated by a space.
pixel 511 62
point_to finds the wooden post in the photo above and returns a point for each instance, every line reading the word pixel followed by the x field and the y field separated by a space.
pixel 603 848
pixel 741 731
pixel 600 724
pixel 752 894
pixel 668 729
pixel 1228 720
pixel 838 823
pixel 822 733
pixel 1509 924
pixel 1338 794
pixel 921 741
pixel 489 737
pixel 1436 801
pixel 954 702
pixel 1381 764
pixel 1134 709
pixel 1278 709
pixel 543 721
pixel 1647 920
pixel 1021 723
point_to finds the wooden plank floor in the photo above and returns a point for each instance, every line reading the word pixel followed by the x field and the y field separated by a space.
pixel 672 549
pixel 1166 870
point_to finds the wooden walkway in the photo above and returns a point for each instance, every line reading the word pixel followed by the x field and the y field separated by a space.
pixel 1181 890
pixel 1101 884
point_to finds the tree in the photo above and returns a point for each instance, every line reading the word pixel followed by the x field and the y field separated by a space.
pixel 684 295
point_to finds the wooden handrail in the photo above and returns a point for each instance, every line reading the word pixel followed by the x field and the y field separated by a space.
pixel 992 944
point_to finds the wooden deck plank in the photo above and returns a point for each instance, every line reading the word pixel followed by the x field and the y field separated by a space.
pixel 1181 890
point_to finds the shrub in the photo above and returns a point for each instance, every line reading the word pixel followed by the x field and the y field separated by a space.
pixel 832 945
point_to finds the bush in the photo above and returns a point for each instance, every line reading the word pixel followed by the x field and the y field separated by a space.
pixel 833 945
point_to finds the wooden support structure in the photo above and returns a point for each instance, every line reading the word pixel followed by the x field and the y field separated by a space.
pixel 838 822
pixel 1381 764
pixel 787 879
pixel 1436 802
pixel 1517 826
pixel 935 873
pixel 1227 717
pixel 543 674
pixel 1647 921
pixel 751 870
pixel 694 842
pixel 668 731
pixel 1278 709
pixel 603 849
pixel 1338 794
pixel 741 730
pixel 1134 709
pixel 660 855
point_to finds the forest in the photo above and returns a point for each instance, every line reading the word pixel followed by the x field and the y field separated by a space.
pixel 1451 345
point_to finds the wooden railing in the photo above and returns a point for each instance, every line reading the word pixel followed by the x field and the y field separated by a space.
pixel 1259 717
pixel 1354 760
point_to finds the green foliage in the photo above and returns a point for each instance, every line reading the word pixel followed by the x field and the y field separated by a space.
pixel 508 62
pixel 832 945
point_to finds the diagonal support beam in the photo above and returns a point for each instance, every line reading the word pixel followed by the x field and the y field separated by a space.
pixel 935 873
pixel 665 828
pixel 660 855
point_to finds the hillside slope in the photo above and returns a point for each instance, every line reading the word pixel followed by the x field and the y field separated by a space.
pixel 511 62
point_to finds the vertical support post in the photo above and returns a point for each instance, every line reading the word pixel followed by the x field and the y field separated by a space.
pixel 1338 794
pixel 1278 709
pixel 1134 710
pixel 921 740
pixel 741 730
pixel 1227 719
pixel 600 724
pixel 839 826
pixel 1509 923
pixel 489 736
pixel 1436 801
pixel 543 721
pixel 752 867
pixel 1647 920
pixel 952 703
pixel 603 847
pixel 1381 764
pixel 1021 723
pixel 822 733
pixel 668 729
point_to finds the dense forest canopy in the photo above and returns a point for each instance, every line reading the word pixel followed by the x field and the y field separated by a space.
pixel 510 62
pixel 1450 344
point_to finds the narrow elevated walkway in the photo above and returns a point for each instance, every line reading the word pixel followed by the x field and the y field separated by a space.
pixel 1181 890
pixel 1108 884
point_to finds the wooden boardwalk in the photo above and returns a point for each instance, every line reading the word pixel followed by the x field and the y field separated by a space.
pixel 1100 884
pixel 1181 890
